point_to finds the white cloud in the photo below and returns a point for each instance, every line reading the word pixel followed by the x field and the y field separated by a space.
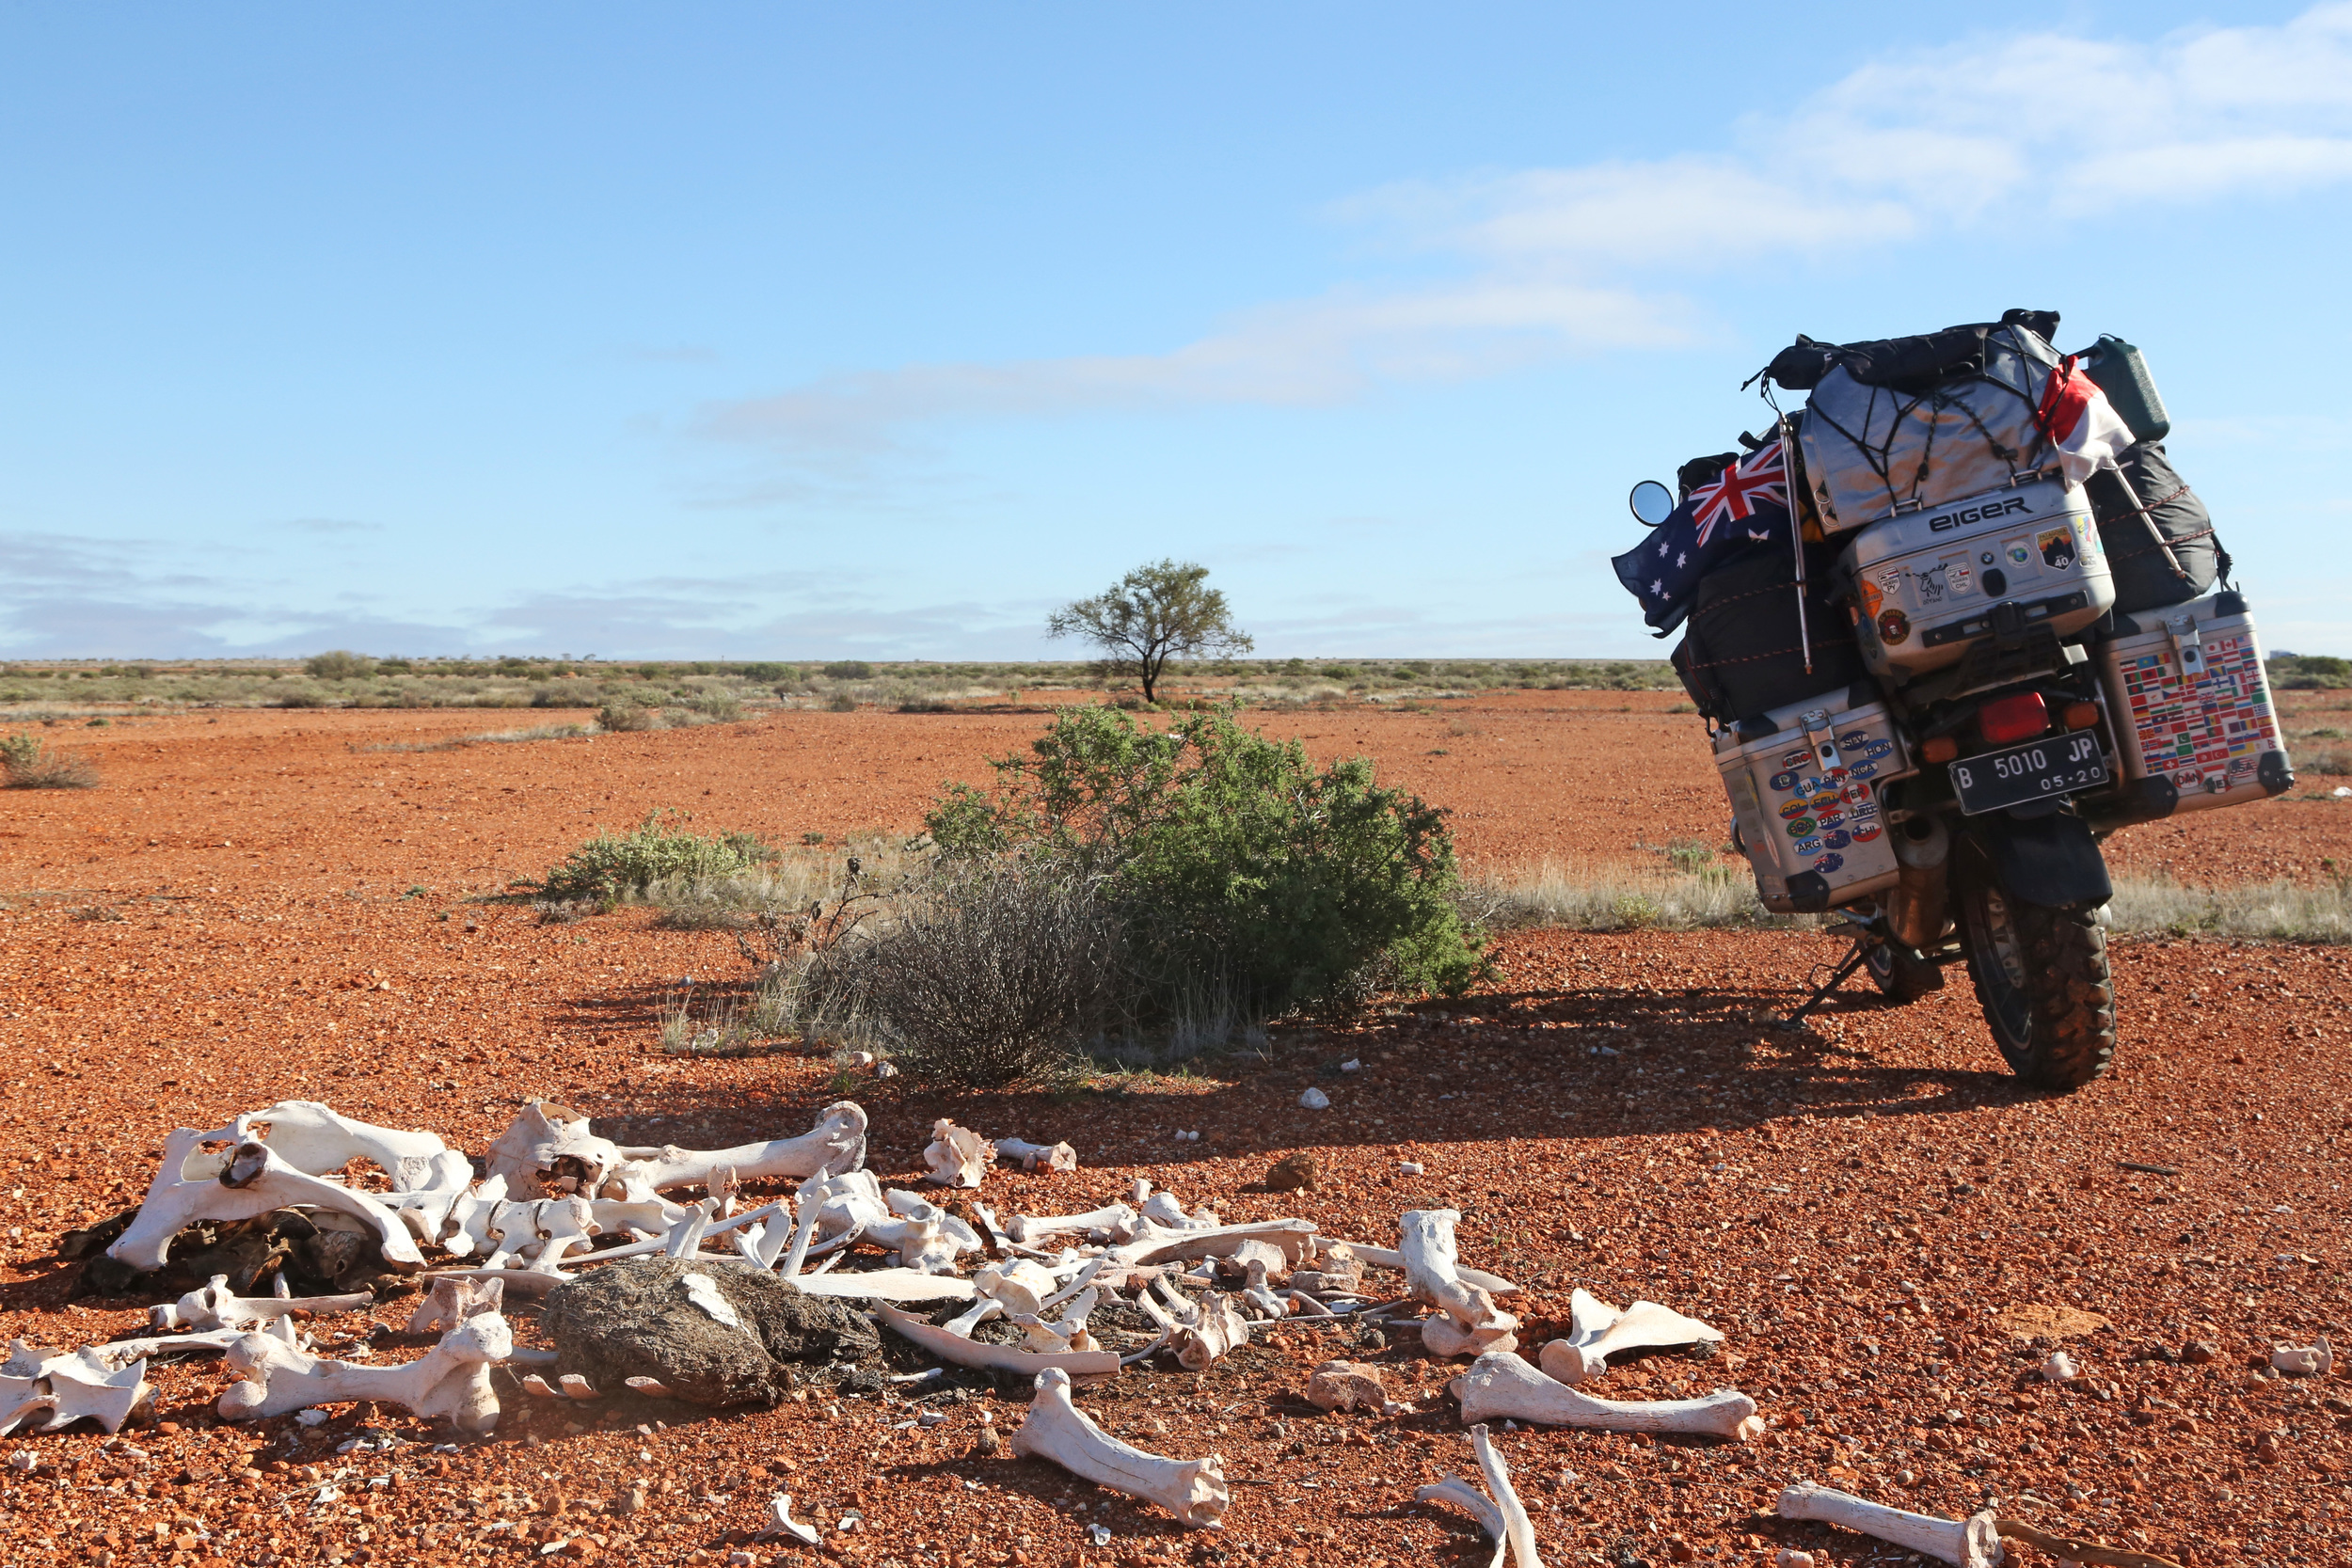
pixel 1562 262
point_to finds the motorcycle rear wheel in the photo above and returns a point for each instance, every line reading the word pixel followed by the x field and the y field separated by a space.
pixel 2042 978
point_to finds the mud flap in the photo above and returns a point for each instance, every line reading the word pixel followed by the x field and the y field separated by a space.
pixel 2050 860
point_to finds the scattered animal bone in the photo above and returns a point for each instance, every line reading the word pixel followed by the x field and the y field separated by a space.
pixel 1023 1285
pixel 319 1141
pixel 115 1355
pixel 1115 1220
pixel 1337 1272
pixel 65 1387
pixel 704 1294
pixel 452 1379
pixel 1387 1257
pixel 1069 1333
pixel 1163 1210
pixel 2059 1367
pixel 549 1151
pixel 1971 1543
pixel 1203 1330
pixel 1347 1385
pixel 964 1322
pixel 1258 1260
pixel 2303 1360
pixel 1193 1490
pixel 1599 1330
pixel 1519 1530
pixel 1500 1383
pixel 2084 1552
pixel 249 1180
pixel 925 1237
pixel 1154 1244
pixel 834 1145
pixel 780 1522
pixel 998 1359
pixel 958 1157
pixel 1790 1558
pixel 1036 1157
pixel 1469 1499
pixel 1138 1193
pixel 216 1306
pixel 1472 1324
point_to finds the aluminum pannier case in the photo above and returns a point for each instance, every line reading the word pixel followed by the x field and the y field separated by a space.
pixel 1930 585
pixel 2191 707
pixel 1803 783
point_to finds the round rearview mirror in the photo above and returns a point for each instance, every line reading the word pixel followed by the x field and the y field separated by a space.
pixel 1652 502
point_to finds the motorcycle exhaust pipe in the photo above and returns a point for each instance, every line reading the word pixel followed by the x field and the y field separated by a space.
pixel 1914 910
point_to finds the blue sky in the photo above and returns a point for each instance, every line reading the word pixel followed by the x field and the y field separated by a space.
pixel 766 331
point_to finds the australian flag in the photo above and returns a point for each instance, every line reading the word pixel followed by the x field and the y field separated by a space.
pixel 1744 509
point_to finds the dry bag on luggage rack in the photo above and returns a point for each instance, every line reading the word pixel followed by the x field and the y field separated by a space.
pixel 1745 652
pixel 1910 423
pixel 2158 535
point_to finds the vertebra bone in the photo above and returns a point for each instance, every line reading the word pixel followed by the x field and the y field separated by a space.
pixel 1472 1324
pixel 958 1157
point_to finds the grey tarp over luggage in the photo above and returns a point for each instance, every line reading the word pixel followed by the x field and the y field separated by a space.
pixel 1920 422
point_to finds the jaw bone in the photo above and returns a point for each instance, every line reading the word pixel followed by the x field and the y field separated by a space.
pixel 1193 1490
pixel 249 1180
pixel 453 1379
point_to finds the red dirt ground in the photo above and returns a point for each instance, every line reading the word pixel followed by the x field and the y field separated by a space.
pixel 1855 1207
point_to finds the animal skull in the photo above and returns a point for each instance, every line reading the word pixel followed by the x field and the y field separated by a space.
pixel 1193 1490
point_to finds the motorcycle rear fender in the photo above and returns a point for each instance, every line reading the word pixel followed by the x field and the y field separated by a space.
pixel 2049 860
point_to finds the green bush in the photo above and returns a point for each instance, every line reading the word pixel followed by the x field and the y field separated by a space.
pixel 724 706
pixel 769 675
pixel 608 868
pixel 1228 854
pixel 26 764
pixel 623 718
pixel 850 669
pixel 2310 673
pixel 339 664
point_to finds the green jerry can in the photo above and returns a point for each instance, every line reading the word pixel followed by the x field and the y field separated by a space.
pixel 2122 374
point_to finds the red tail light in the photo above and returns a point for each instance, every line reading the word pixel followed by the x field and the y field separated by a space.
pixel 2018 718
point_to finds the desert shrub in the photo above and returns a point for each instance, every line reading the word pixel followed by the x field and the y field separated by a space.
pixel 989 973
pixel 843 702
pixel 26 763
pixel 720 707
pixel 611 867
pixel 339 664
pixel 848 670
pixel 301 697
pixel 769 675
pixel 1225 852
pixel 622 717
pixel 2309 672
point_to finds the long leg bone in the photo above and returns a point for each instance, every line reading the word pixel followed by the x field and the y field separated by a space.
pixel 1193 1490
pixel 958 1157
pixel 250 1180
pixel 216 1306
pixel 1600 1330
pixel 1500 1383
pixel 1000 1358
pixel 452 1379
pixel 1972 1542
pixel 1154 1244
pixel 834 1145
pixel 1115 1220
pixel 1472 1324
pixel 1518 1529
pixel 1037 1157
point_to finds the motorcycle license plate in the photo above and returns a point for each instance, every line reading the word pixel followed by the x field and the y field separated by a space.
pixel 2036 770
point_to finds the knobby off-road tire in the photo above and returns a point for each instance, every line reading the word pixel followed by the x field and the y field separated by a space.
pixel 1900 978
pixel 2042 978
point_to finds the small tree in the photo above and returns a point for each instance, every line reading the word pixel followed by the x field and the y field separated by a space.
pixel 1149 616
pixel 339 664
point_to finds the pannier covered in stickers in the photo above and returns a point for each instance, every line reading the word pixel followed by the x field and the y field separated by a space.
pixel 2014 569
pixel 1803 783
pixel 2192 709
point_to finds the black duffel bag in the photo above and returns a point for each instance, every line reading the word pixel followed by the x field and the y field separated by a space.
pixel 2158 534
pixel 1741 655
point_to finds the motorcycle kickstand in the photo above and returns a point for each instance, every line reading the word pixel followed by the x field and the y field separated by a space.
pixel 1822 993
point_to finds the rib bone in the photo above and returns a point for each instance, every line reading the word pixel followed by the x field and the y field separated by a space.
pixel 1599 1330
pixel 958 1157
pixel 1518 1529
pixel 249 1180
pixel 1115 1220
pixel 1000 1358
pixel 1193 1490
pixel 1972 1542
pixel 452 1379
pixel 1501 1383
pixel 1472 1324
pixel 1154 1244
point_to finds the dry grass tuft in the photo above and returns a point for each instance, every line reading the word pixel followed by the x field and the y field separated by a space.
pixel 26 763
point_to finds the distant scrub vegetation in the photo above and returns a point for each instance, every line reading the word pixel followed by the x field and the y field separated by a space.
pixel 717 691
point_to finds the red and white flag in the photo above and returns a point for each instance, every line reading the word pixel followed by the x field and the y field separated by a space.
pixel 2080 422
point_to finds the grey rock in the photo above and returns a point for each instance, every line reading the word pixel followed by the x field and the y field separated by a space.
pixel 632 1319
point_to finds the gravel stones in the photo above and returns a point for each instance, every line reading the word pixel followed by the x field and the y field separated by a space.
pixel 636 1320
